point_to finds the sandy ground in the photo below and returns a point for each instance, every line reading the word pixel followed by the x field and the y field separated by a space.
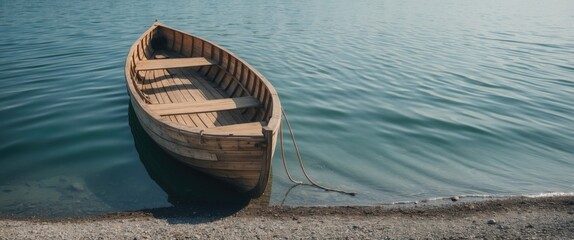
pixel 514 218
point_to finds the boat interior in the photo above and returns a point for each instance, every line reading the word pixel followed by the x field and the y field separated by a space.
pixel 192 82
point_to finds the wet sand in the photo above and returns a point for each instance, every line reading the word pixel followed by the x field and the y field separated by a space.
pixel 519 217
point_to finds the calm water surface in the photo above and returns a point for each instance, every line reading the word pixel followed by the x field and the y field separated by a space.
pixel 396 100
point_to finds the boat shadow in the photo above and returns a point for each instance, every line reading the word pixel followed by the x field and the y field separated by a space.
pixel 195 196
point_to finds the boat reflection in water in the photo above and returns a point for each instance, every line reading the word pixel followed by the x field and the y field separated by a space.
pixel 183 184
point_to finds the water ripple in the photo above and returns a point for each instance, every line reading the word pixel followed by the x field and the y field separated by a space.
pixel 395 100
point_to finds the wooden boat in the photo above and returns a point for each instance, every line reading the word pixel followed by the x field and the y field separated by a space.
pixel 205 106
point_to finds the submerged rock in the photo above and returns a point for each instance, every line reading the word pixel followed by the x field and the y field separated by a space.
pixel 77 187
pixel 454 199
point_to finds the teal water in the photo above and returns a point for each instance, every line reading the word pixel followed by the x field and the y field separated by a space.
pixel 396 100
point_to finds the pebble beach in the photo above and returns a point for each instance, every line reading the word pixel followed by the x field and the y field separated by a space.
pixel 512 218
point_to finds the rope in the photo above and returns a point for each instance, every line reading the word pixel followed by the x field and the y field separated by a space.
pixel 313 183
pixel 283 156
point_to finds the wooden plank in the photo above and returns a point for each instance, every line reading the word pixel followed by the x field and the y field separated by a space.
pixel 172 63
pixel 156 92
pixel 186 46
pixel 197 47
pixel 164 89
pixel 200 90
pixel 178 41
pixel 238 165
pixel 205 106
pixel 159 88
pixel 225 118
pixel 250 85
pixel 199 154
pixel 176 96
pixel 185 87
pixel 238 175
pixel 212 73
pixel 216 143
pixel 242 129
pixel 147 87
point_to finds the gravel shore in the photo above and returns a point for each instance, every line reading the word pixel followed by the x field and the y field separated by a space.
pixel 524 218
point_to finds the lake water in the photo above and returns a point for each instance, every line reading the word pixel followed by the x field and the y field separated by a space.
pixel 396 100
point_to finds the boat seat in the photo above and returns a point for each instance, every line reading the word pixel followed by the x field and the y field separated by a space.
pixel 205 106
pixel 166 63
pixel 241 129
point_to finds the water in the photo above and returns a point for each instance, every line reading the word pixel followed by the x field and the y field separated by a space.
pixel 396 100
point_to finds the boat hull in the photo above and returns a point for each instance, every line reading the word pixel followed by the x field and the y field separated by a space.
pixel 240 158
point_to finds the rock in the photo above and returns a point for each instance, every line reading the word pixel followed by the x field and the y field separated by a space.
pixel 77 187
pixel 502 227
pixel 491 221
pixel 454 199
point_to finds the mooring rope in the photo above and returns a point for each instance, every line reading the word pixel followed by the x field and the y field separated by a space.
pixel 313 183
pixel 283 156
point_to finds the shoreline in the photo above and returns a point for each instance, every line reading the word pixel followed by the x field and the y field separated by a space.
pixel 515 217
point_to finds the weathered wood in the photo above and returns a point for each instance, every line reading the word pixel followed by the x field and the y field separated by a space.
pixel 172 63
pixel 204 106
